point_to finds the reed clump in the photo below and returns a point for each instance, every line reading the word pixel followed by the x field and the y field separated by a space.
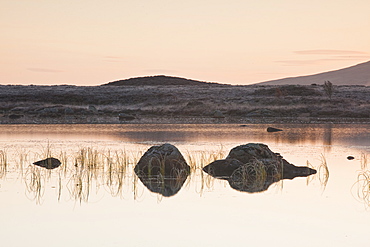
pixel 363 161
pixel 3 163
pixel 117 164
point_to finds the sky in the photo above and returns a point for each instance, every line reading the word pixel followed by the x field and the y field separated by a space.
pixel 91 42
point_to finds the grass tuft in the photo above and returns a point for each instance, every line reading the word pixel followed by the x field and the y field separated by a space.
pixel 3 163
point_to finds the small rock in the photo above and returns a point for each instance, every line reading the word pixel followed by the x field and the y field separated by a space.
pixel 49 163
pixel 272 129
pixel 218 114
pixel 350 158
pixel 15 116
pixel 68 110
pixel 125 117
pixel 93 109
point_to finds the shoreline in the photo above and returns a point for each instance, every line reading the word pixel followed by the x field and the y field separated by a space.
pixel 189 120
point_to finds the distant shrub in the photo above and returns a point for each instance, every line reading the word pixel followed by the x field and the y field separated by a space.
pixel 287 90
pixel 328 88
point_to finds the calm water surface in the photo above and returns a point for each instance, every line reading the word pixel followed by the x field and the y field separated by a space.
pixel 109 206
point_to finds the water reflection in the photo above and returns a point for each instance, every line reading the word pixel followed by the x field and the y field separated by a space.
pixel 325 134
pixel 162 170
pixel 362 184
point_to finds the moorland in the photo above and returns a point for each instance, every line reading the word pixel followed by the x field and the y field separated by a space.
pixel 184 102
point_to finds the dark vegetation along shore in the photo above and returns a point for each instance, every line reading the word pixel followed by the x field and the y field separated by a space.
pixel 162 99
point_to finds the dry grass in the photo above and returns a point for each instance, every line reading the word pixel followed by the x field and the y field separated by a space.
pixel 69 104
pixel 3 163
pixel 322 172
pixel 364 161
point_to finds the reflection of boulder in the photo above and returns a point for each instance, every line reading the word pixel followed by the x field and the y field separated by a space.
pixel 49 163
pixel 254 167
pixel 163 169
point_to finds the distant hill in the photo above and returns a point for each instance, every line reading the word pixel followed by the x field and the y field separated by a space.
pixel 354 75
pixel 158 80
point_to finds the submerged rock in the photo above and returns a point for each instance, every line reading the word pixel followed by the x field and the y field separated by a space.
pixel 162 169
pixel 272 129
pixel 254 167
pixel 49 163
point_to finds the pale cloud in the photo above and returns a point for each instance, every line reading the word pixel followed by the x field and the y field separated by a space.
pixel 43 70
pixel 329 52
pixel 331 55
pixel 299 62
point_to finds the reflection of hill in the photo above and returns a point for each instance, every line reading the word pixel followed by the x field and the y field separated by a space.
pixel 326 134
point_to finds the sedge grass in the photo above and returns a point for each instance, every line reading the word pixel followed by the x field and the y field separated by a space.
pixel 363 161
pixel 3 163
pixel 309 179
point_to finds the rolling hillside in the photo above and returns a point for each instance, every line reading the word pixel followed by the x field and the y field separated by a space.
pixel 158 80
pixel 354 75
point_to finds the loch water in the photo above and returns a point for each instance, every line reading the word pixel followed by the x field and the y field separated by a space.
pixel 94 198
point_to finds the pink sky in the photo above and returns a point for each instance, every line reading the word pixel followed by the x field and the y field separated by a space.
pixel 238 42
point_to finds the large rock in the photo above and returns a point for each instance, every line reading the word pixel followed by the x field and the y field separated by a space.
pixel 162 169
pixel 254 167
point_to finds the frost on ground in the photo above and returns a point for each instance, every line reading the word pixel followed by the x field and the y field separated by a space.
pixel 183 104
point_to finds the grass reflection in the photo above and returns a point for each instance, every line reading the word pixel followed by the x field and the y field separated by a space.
pixel 322 172
pixel 35 180
pixel 87 172
pixel 363 181
pixel 198 160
